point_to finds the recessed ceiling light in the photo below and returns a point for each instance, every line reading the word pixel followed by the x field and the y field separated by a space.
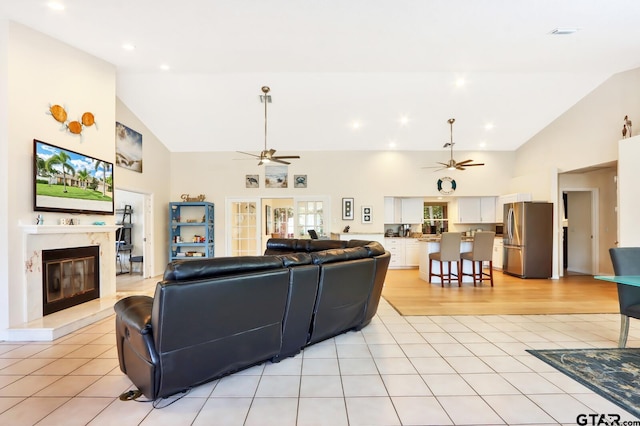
pixel 164 67
pixel 488 126
pixel 356 125
pixel 404 120
pixel 53 5
pixel 392 144
pixel 564 31
pixel 482 144
pixel 128 46
pixel 460 82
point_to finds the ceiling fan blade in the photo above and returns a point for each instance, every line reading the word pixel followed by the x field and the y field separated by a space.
pixel 464 162
pixel 474 164
pixel 248 153
pixel 285 156
pixel 277 160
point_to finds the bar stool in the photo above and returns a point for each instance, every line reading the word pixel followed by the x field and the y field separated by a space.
pixel 482 252
pixel 449 252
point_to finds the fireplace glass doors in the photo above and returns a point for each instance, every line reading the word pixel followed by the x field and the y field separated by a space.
pixel 70 276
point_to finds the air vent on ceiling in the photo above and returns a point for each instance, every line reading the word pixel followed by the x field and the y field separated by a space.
pixel 564 31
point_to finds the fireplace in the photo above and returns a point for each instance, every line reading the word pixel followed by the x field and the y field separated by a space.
pixel 70 276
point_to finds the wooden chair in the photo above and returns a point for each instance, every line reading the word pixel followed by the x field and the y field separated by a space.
pixel 626 261
pixel 449 252
pixel 482 252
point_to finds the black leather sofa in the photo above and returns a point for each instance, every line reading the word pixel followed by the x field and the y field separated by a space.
pixel 212 317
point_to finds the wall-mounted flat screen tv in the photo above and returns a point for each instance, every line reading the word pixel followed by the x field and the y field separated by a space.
pixel 67 181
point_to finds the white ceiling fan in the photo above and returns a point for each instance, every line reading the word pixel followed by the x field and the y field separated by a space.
pixel 267 155
pixel 453 164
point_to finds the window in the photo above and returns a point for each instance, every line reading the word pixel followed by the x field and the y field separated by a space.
pixel 310 216
pixel 435 218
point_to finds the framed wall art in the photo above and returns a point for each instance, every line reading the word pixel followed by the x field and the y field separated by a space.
pixel 299 181
pixel 367 214
pixel 347 209
pixel 251 181
pixel 275 177
pixel 128 148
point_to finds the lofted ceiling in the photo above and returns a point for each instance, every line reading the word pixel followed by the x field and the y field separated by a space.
pixel 347 74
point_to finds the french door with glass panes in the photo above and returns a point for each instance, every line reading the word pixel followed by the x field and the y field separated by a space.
pixel 243 227
pixel 245 224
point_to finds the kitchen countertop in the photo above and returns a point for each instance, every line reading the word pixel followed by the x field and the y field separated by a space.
pixel 435 239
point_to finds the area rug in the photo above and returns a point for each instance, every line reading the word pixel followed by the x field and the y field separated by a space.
pixel 611 373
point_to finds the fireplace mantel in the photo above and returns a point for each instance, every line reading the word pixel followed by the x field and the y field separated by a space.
pixel 67 229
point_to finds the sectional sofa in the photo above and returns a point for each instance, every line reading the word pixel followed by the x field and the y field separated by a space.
pixel 212 317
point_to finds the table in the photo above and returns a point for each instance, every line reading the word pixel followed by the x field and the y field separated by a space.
pixel 633 280
pixel 630 280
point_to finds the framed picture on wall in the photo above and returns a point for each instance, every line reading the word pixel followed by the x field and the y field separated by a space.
pixel 347 209
pixel 367 216
pixel 251 181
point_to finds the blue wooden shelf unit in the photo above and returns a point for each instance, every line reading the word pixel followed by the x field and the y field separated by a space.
pixel 191 230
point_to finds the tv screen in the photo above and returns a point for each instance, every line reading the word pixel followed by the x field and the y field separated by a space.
pixel 67 181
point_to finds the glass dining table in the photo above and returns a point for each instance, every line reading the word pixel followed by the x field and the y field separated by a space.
pixel 632 280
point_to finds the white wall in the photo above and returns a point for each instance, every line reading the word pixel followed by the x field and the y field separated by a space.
pixel 629 192
pixel 4 175
pixel 154 179
pixel 42 71
pixel 366 176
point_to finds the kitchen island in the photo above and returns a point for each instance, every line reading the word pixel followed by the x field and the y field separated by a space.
pixel 432 245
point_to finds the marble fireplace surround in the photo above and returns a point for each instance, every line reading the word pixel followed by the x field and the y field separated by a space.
pixel 37 238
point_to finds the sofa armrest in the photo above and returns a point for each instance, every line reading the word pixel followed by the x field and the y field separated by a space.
pixel 133 325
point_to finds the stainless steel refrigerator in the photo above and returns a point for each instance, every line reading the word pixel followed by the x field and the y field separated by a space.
pixel 528 239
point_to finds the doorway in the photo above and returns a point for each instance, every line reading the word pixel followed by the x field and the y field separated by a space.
pixel 579 232
pixel 141 218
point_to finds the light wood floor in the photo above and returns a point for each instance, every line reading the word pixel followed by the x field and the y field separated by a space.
pixel 510 295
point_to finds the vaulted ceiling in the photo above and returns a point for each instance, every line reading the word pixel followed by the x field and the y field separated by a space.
pixel 347 74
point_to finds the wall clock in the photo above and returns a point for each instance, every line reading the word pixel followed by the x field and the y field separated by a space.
pixel 446 185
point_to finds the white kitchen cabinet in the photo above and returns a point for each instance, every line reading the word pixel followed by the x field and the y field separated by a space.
pixel 496 259
pixel 412 210
pixel 395 246
pixel 469 210
pixel 405 252
pixel 403 210
pixel 509 198
pixel 477 210
pixel 389 210
pixel 487 209
pixel 411 252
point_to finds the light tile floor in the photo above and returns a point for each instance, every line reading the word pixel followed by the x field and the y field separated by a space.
pixel 421 370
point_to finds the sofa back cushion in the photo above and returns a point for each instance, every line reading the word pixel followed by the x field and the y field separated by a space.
pixel 181 270
pixel 343 293
pixel 339 255
pixel 210 327
pixel 373 247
